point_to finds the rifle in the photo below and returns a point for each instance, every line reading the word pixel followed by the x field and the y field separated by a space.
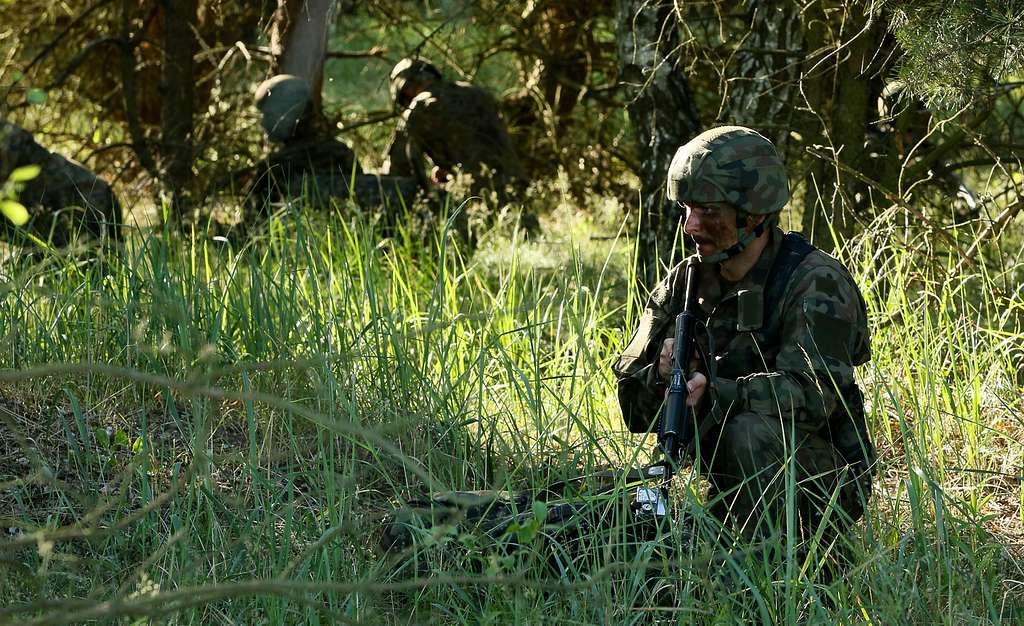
pixel 675 429
pixel 675 425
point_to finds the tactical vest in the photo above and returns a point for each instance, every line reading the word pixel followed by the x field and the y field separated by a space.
pixel 792 251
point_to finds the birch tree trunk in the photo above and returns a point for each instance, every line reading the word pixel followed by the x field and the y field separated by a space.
pixel 663 116
pixel 299 43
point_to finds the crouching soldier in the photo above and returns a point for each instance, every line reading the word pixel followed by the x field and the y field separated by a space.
pixel 64 199
pixel 302 147
pixel 308 160
pixel 780 328
pixel 456 124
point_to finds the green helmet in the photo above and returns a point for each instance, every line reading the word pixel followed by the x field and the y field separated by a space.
pixel 284 101
pixel 730 165
pixel 410 70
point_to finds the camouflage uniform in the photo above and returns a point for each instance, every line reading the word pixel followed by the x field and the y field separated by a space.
pixel 306 150
pixel 457 125
pixel 61 184
pixel 781 381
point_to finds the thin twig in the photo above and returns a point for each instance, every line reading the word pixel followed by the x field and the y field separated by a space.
pixel 970 470
pixel 366 122
pixel 895 199
pixel 372 53
pixel 162 603
pixel 79 58
pixel 992 230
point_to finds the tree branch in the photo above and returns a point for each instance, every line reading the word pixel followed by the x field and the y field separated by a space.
pixel 895 199
pixel 366 122
pixel 63 33
pixel 79 58
pixel 373 53
pixel 991 231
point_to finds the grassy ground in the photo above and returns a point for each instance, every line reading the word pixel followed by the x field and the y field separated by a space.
pixel 207 431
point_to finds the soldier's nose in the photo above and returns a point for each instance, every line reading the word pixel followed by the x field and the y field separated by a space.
pixel 692 223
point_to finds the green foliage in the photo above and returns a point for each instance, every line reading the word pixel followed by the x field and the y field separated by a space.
pixel 9 205
pixel 14 211
pixel 35 96
pixel 956 53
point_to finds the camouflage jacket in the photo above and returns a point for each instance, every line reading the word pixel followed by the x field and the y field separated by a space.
pixel 457 126
pixel 795 362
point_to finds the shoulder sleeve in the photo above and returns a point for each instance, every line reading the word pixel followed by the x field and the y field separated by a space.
pixel 398 157
pixel 428 123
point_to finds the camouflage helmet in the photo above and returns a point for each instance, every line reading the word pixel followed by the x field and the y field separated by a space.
pixel 409 70
pixel 284 101
pixel 730 165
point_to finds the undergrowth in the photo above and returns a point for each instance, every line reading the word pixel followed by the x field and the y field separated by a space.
pixel 206 430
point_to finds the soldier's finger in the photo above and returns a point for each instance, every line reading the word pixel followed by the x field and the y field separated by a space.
pixel 665 358
pixel 695 387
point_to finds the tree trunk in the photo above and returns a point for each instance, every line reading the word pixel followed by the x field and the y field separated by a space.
pixel 178 97
pixel 763 93
pixel 299 43
pixel 663 116
pixel 843 96
pixel 560 51
pixel 563 32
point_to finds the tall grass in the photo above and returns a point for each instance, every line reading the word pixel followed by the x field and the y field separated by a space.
pixel 209 431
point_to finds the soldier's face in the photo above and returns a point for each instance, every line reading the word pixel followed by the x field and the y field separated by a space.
pixel 411 89
pixel 713 228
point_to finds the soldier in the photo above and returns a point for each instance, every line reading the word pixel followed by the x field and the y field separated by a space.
pixel 307 149
pixel 311 159
pixel 64 195
pixel 782 326
pixel 454 123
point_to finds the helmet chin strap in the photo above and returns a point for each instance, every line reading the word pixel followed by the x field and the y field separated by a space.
pixel 744 240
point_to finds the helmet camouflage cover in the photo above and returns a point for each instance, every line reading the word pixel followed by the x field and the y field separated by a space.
pixel 283 100
pixel 730 165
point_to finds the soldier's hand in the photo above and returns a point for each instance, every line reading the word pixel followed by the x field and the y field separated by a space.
pixel 695 388
pixel 665 359
pixel 697 383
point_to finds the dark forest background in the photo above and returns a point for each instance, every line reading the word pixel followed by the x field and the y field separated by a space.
pixel 887 112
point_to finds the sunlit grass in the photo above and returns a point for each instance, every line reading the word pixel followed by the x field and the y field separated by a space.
pixel 211 430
